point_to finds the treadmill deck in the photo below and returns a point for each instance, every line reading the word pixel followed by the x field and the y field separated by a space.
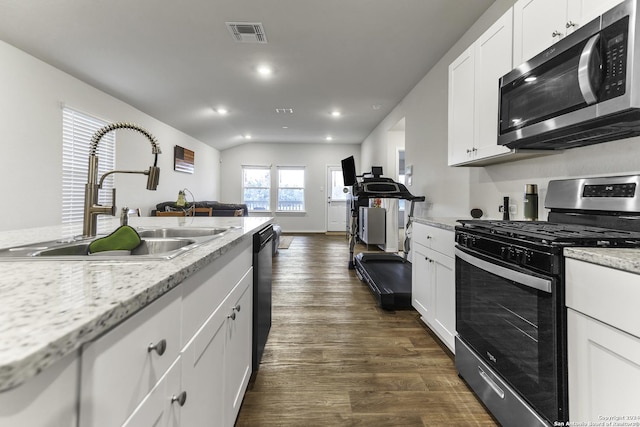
pixel 388 277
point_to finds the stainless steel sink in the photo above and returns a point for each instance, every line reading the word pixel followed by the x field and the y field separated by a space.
pixel 157 244
pixel 181 232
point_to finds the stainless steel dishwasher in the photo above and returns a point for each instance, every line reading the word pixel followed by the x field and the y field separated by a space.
pixel 262 272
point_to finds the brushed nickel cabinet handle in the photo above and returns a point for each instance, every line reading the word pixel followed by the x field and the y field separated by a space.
pixel 159 348
pixel 232 316
pixel 180 398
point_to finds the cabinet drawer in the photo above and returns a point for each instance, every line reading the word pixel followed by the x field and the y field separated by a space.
pixel 606 294
pixel 118 369
pixel 159 407
pixel 435 238
pixel 203 292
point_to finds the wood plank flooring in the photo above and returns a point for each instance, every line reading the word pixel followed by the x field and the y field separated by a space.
pixel 334 358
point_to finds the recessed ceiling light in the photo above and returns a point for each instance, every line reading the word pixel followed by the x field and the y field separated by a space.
pixel 264 70
pixel 247 136
pixel 376 106
pixel 329 138
pixel 336 113
pixel 285 127
pixel 222 111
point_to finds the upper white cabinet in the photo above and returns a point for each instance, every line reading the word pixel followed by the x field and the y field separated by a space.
pixel 473 95
pixel 538 24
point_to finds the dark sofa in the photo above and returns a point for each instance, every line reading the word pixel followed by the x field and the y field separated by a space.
pixel 219 209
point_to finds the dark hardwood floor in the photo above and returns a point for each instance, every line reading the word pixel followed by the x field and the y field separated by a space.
pixel 334 358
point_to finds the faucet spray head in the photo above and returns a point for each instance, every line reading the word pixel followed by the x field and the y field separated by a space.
pixel 153 178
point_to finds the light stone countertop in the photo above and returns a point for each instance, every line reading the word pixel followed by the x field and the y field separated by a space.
pixel 50 308
pixel 445 223
pixel 618 258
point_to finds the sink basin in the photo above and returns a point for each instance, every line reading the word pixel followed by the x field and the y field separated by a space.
pixel 157 244
pixel 147 247
pixel 181 232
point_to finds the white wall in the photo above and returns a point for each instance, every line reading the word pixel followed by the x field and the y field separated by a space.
pixel 314 157
pixel 31 160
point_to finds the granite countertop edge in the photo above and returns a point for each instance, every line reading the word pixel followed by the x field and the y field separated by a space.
pixel 446 223
pixel 21 358
pixel 625 259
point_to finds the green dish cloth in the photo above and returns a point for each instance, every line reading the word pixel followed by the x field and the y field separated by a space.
pixel 124 238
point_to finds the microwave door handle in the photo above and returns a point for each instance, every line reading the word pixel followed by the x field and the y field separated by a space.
pixel 584 80
pixel 535 282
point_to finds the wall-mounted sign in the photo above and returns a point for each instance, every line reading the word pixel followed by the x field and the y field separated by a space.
pixel 183 159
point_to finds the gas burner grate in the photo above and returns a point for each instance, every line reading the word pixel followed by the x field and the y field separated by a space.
pixel 554 233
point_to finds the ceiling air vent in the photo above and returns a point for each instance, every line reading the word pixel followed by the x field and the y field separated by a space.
pixel 247 32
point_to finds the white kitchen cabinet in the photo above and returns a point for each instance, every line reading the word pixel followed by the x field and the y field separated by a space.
pixel 47 400
pixel 216 363
pixel 118 369
pixel 537 24
pixel 161 407
pixel 433 280
pixel 238 347
pixel 122 380
pixel 603 334
pixel 473 96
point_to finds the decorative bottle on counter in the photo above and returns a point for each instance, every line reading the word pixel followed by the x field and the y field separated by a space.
pixel 505 209
pixel 531 202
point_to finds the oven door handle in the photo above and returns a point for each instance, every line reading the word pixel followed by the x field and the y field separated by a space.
pixel 538 283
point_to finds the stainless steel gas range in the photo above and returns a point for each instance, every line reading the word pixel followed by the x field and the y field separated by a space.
pixel 510 305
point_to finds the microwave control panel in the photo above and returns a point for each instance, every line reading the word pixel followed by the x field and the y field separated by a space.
pixel 614 48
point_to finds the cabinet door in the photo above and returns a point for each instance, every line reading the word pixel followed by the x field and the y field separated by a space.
pixel 493 59
pixel 159 408
pixel 238 345
pixel 604 370
pixel 461 108
pixel 203 373
pixel 535 25
pixel 47 400
pixel 119 369
pixel 421 280
pixel 443 296
pixel 581 12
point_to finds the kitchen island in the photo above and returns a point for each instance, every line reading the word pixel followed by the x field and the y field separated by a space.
pixel 51 309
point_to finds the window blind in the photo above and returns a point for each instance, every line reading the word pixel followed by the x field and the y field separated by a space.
pixel 77 130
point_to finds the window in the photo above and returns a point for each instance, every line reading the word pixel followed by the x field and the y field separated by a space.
pixel 256 184
pixel 77 130
pixel 290 189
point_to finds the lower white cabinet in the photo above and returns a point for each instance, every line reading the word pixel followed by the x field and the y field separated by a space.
pixel 161 407
pixel 140 374
pixel 47 400
pixel 603 335
pixel 604 371
pixel 433 290
pixel 216 363
pixel 119 369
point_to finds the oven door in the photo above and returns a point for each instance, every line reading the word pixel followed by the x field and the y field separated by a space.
pixel 512 319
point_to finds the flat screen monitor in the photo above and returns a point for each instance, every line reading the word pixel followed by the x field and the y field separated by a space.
pixel 349 171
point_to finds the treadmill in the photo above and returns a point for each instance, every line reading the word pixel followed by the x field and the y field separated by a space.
pixel 388 275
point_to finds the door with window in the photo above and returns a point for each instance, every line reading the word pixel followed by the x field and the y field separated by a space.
pixel 337 196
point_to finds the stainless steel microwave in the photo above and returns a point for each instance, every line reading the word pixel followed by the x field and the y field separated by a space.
pixel 583 90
